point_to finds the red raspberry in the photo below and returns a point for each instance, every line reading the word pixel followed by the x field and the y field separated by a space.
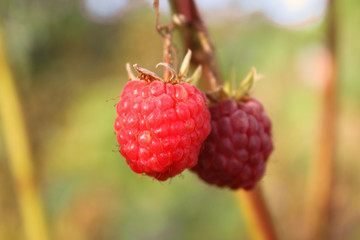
pixel 236 151
pixel 160 127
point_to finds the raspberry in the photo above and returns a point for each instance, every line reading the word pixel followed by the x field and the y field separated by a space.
pixel 161 126
pixel 236 151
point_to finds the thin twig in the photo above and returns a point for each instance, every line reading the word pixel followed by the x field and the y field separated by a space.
pixel 166 32
pixel 167 54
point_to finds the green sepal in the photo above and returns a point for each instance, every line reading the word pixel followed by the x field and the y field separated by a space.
pixel 245 85
pixel 218 95
pixel 185 65
pixel 194 79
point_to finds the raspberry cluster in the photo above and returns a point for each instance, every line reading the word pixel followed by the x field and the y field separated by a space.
pixel 236 151
pixel 161 126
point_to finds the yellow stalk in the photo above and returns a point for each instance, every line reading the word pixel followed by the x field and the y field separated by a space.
pixel 256 215
pixel 19 155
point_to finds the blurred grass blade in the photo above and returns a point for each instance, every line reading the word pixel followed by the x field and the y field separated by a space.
pixel 321 183
pixel 18 149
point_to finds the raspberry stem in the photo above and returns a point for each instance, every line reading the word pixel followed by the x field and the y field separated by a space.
pixel 166 32
pixel 197 39
pixel 20 162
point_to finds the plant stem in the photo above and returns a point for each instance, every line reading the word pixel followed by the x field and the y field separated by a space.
pixel 255 212
pixel 321 177
pixel 165 32
pixel 167 55
pixel 197 39
pixel 18 149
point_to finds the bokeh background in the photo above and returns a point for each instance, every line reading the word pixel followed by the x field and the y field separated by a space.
pixel 68 61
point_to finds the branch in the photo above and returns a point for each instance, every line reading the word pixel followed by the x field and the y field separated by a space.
pixel 165 32
pixel 197 39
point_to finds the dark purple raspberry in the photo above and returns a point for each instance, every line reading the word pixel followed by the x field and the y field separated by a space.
pixel 235 153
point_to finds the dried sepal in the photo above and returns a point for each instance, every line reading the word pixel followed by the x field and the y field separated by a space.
pixel 146 74
pixel 170 68
pixel 179 19
pixel 175 77
pixel 130 72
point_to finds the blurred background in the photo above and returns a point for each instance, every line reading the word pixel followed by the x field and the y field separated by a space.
pixel 68 58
